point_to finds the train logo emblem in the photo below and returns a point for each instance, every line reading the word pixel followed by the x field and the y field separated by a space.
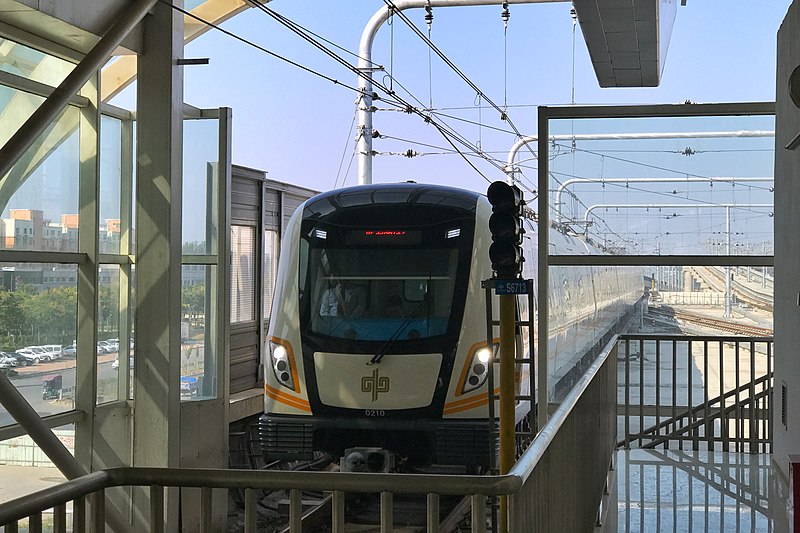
pixel 375 384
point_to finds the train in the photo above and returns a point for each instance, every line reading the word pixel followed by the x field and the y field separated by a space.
pixel 377 343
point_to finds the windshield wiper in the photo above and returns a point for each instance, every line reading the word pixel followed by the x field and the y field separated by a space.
pixel 396 335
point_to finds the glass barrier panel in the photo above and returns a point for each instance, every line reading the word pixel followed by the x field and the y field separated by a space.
pixel 32 64
pixel 38 310
pixel 25 469
pixel 39 195
pixel 664 185
pixel 200 160
pixel 271 252
pixel 587 305
pixel 110 199
pixel 108 334
pixel 198 332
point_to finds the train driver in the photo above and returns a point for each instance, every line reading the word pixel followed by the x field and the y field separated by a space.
pixel 342 299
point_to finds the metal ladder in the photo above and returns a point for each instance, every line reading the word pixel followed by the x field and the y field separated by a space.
pixel 526 430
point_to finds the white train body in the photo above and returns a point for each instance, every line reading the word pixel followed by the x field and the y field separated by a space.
pixel 378 322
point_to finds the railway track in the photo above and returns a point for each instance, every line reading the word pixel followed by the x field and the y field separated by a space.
pixel 755 299
pixel 722 325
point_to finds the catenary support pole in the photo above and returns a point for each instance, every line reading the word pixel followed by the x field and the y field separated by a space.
pixel 366 66
pixel 507 354
pixel 46 113
pixel 728 312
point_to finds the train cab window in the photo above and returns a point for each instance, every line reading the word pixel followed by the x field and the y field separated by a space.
pixel 379 294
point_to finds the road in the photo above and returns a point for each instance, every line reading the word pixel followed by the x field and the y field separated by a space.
pixel 29 380
pixel 29 383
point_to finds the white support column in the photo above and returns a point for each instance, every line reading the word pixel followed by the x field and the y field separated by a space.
pixel 86 356
pixel 159 158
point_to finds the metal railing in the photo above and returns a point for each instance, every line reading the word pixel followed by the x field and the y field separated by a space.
pixel 568 501
pixel 706 391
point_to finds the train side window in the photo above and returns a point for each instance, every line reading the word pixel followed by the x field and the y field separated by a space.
pixel 303 274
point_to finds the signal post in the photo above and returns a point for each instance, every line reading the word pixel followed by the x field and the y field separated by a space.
pixel 506 257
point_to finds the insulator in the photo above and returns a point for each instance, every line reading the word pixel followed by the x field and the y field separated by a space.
pixel 428 16
pixel 375 134
pixel 410 153
pixel 505 15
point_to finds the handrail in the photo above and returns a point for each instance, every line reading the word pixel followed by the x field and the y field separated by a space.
pixel 73 489
pixel 721 412
pixel 696 338
pixel 20 508
pixel 525 465
pixel 648 432
pixel 339 482
pixel 325 481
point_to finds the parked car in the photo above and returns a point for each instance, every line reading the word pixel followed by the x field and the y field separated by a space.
pixel 6 361
pixel 40 352
pixel 109 347
pixel 53 351
pixel 33 358
pixel 69 351
pixel 21 360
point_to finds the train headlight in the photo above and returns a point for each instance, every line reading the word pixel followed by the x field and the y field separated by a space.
pixel 282 361
pixel 477 371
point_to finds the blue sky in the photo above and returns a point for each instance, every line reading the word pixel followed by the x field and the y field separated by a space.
pixel 297 127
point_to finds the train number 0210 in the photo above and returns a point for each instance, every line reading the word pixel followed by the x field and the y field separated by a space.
pixel 375 412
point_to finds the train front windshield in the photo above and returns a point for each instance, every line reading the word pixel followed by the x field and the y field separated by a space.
pixel 380 285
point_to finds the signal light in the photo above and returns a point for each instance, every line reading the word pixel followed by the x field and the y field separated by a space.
pixel 506 228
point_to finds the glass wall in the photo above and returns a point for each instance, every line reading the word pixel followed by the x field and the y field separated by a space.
pixel 665 185
pixel 649 185
pixel 198 348
pixel 39 196
pixel 200 160
pixel 201 228
pixel 38 317
pixel 32 64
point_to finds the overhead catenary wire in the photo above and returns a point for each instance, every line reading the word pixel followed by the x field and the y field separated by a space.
pixel 503 113
pixel 442 130
pixel 639 163
pixel 259 4
pixel 347 143
pixel 298 29
pixel 260 48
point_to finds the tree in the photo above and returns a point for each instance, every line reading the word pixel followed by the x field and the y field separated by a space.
pixel 108 308
pixel 12 319
pixel 193 301
pixel 52 314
